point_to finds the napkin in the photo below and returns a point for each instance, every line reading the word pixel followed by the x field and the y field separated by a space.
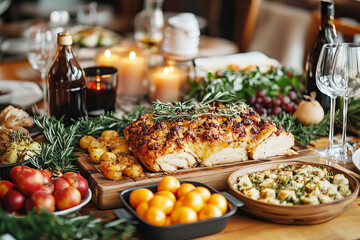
pixel 25 93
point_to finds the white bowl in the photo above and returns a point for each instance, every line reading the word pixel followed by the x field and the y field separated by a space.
pixel 6 95
pixel 83 202
pixel 356 159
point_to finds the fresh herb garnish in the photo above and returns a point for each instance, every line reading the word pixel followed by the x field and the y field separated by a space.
pixel 58 154
pixel 244 83
pixel 303 134
pixel 46 225
pixel 191 110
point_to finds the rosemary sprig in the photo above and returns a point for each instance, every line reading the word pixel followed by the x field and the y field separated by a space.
pixel 107 121
pixel 59 153
pixel 192 110
pixel 303 134
pixel 46 225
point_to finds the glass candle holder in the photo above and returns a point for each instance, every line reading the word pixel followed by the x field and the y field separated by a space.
pixel 101 84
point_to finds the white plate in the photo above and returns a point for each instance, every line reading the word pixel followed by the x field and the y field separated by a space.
pixel 14 46
pixel 84 201
pixel 25 93
pixel 356 159
pixel 242 60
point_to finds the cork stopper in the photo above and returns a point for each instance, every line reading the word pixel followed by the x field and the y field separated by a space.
pixel 64 39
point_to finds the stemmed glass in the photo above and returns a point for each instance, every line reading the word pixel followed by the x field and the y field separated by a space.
pixel 149 25
pixel 41 51
pixel 346 82
pixel 323 78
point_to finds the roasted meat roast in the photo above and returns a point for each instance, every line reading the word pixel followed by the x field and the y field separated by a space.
pixel 207 140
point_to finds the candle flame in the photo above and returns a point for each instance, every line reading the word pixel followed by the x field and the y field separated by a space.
pixel 166 71
pixel 107 53
pixel 171 68
pixel 98 87
pixel 132 55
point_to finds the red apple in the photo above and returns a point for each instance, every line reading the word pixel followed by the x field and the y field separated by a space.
pixel 15 170
pixel 48 188
pixel 59 184
pixel 47 176
pixel 67 198
pixel 77 181
pixel 13 201
pixel 40 199
pixel 5 186
pixel 29 180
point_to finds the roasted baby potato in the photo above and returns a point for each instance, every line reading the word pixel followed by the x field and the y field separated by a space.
pixel 119 144
pixel 111 170
pixel 108 135
pixel 96 153
pixel 85 141
pixel 108 156
pixel 133 171
pixel 96 144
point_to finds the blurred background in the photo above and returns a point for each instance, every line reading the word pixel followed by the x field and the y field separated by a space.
pixel 282 29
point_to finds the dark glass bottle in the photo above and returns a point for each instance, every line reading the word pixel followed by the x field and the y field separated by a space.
pixel 327 34
pixel 67 93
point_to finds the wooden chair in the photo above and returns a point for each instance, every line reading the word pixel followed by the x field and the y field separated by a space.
pixel 245 21
pixel 348 31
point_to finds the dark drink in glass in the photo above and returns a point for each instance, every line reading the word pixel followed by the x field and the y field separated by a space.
pixel 101 85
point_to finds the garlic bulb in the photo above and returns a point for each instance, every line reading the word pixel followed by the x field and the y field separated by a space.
pixel 309 112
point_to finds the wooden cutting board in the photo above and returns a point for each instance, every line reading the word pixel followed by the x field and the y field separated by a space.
pixel 106 192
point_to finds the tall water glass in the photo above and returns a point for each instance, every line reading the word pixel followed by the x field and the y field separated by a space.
pixel 41 52
pixel 323 76
pixel 346 82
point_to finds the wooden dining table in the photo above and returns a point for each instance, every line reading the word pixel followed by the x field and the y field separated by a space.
pixel 241 225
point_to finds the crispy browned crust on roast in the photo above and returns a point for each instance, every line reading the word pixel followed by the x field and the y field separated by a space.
pixel 202 137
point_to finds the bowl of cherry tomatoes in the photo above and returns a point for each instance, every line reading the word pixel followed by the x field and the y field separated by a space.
pixel 177 210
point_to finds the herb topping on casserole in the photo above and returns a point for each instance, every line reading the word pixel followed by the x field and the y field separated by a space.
pixel 290 185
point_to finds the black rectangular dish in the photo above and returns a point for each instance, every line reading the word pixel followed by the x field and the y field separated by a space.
pixel 176 231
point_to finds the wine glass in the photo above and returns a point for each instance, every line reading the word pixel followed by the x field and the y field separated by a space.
pixel 41 51
pixel 323 79
pixel 346 82
pixel 149 25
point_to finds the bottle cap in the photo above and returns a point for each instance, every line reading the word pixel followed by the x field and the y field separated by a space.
pixel 327 8
pixel 64 39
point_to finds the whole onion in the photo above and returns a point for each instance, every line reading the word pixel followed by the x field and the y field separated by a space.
pixel 309 111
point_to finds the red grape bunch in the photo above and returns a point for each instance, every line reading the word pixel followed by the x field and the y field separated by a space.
pixel 266 105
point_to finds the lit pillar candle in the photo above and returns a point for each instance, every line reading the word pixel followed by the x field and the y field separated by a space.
pixel 107 59
pixel 132 69
pixel 165 83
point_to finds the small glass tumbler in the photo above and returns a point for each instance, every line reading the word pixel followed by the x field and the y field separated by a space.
pixel 101 84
